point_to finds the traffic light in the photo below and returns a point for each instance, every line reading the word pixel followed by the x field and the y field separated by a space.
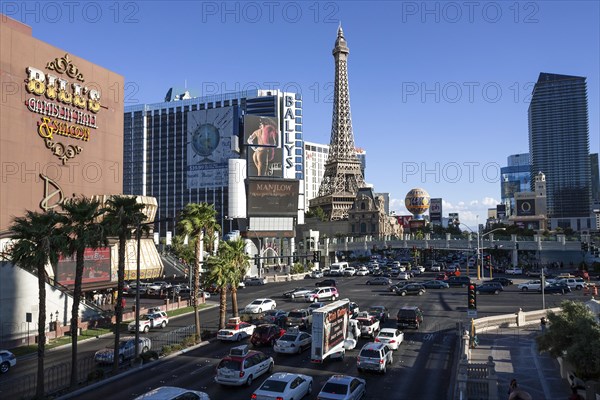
pixel 315 256
pixel 295 258
pixel 256 260
pixel 472 297
pixel 488 260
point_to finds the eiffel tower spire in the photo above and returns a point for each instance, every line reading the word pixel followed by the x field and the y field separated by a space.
pixel 343 176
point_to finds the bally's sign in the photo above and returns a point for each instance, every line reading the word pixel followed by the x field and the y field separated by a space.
pixel 289 131
pixel 67 108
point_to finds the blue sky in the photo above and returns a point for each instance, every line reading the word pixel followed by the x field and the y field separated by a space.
pixel 439 90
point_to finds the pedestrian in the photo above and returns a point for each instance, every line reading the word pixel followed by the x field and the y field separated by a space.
pixel 516 393
pixel 543 323
pixel 575 394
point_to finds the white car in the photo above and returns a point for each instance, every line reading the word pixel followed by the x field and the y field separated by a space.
pixel 242 366
pixel 294 341
pixel 260 305
pixel 530 285
pixel 436 268
pixel 513 271
pixel 316 274
pixel 172 393
pixel 343 387
pixel 362 271
pixel 254 281
pixel 404 276
pixel 236 330
pixel 149 321
pixel 7 361
pixel 390 336
pixel 419 269
pixel 284 386
pixel 349 271
pixel 126 350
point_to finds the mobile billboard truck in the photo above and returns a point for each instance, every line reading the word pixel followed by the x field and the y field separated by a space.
pixel 330 330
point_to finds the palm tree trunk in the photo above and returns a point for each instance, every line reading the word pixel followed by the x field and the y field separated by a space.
pixel 197 286
pixel 41 273
pixel 75 314
pixel 234 302
pixel 119 305
pixel 223 307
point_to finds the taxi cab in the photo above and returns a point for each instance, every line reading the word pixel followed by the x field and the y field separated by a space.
pixel 236 330
pixel 242 366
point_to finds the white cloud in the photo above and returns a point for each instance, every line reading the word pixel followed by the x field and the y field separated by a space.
pixel 490 202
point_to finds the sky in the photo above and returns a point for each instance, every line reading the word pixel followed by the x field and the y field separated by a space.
pixel 439 90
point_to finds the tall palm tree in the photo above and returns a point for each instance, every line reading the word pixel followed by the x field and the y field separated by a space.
pixel 194 220
pixel 83 231
pixel 240 262
pixel 121 215
pixel 222 274
pixel 38 240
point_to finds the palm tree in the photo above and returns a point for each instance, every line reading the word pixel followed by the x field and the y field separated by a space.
pixel 83 231
pixel 222 274
pixel 195 219
pixel 37 241
pixel 239 262
pixel 121 215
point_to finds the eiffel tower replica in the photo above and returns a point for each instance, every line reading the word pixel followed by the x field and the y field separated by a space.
pixel 343 176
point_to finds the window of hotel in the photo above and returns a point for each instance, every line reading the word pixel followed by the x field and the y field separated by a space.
pixel 362 206
pixel 363 228
pixel 298 120
pixel 298 112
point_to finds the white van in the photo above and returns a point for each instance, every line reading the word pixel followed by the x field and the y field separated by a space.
pixel 337 269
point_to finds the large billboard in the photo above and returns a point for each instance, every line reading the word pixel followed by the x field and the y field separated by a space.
pixel 435 210
pixel 96 267
pixel 265 153
pixel 525 207
pixel 210 134
pixel 501 211
pixel 273 197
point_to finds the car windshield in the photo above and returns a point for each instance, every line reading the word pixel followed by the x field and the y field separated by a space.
pixel 374 310
pixel 288 338
pixel 386 334
pixel 296 314
pixel 274 386
pixel 123 343
pixel 365 322
pixel 369 353
pixel 146 317
pixel 257 302
pixel 335 388
pixel 230 364
pixel 262 329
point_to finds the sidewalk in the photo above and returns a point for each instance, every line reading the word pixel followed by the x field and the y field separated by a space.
pixel 516 356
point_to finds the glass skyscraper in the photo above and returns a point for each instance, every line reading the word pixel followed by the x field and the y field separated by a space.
pixel 559 146
pixel 516 178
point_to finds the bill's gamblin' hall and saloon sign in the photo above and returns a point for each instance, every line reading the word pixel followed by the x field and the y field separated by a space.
pixel 273 198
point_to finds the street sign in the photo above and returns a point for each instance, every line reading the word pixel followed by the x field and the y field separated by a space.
pixel 472 313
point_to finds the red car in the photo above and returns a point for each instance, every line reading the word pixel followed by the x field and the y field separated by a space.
pixel 441 277
pixel 266 335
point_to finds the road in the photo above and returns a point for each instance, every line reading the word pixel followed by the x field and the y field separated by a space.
pixel 425 356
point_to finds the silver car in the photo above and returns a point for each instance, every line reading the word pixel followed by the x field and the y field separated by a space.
pixel 126 350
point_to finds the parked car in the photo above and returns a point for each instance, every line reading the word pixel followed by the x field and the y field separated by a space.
pixel 149 321
pixel 343 387
pixel 411 288
pixel 322 293
pixel 409 316
pixel 284 386
pixel 435 284
pixel 294 341
pixel 126 350
pixel 236 330
pixel 242 366
pixel 254 281
pixel 558 287
pixel 379 312
pixel 326 282
pixel 7 361
pixel 489 287
pixel 514 271
pixel 172 393
pixel 266 334
pixel 375 357
pixel 299 317
pixel 379 280
pixel 260 305
pixel 390 336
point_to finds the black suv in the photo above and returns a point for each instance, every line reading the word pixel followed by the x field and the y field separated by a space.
pixel 326 282
pixel 462 281
pixel 409 316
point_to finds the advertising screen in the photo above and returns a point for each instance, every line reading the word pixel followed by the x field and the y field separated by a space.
pixel 435 210
pixel 273 197
pixel 210 133
pixel 265 153
pixel 96 267
pixel 501 211
pixel 525 207
pixel 335 327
